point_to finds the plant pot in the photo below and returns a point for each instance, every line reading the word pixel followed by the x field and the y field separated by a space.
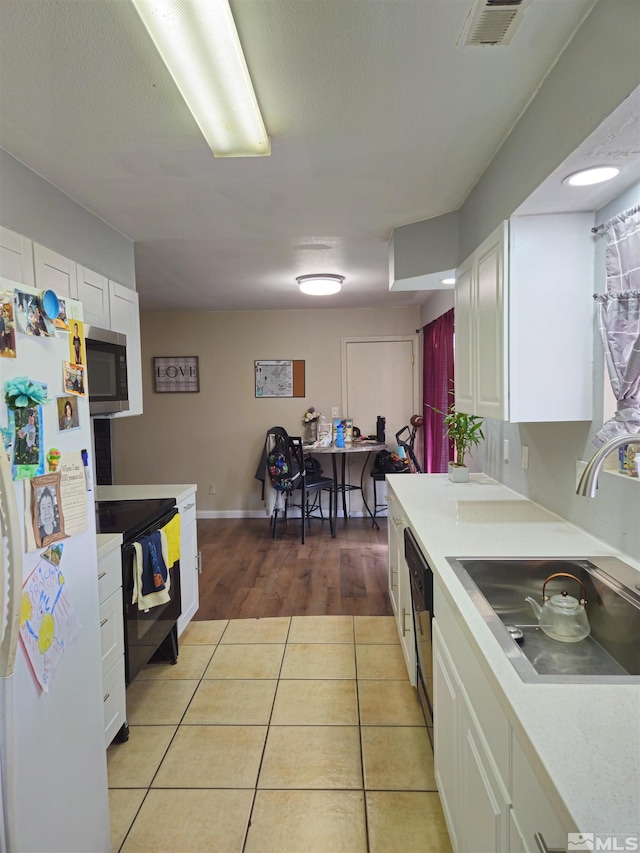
pixel 458 473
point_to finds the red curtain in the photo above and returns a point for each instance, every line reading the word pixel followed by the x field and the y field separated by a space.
pixel 437 363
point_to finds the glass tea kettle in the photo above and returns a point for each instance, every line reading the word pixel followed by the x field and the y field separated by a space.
pixel 562 617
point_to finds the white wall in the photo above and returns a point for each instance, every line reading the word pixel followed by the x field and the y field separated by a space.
pixel 596 72
pixel 438 303
pixel 217 435
pixel 35 208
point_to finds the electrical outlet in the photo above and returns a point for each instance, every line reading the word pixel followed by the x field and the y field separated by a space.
pixel 212 489
pixel 525 456
pixel 505 450
pixel 334 412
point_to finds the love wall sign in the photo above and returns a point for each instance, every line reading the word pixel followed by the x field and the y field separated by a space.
pixel 178 374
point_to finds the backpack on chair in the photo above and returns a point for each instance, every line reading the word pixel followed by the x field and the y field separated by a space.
pixel 387 462
pixel 284 471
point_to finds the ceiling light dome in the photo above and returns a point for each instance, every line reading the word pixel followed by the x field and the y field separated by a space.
pixel 586 177
pixel 320 284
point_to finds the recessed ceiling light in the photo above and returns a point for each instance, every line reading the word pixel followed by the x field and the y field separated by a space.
pixel 447 281
pixel 586 177
pixel 320 285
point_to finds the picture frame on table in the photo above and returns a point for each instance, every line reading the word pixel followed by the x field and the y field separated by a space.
pixel 347 423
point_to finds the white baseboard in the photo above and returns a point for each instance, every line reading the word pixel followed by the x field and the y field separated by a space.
pixel 259 513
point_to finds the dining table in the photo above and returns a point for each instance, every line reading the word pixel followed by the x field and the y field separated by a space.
pixel 341 487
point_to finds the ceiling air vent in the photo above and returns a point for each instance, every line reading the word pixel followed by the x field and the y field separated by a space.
pixel 492 22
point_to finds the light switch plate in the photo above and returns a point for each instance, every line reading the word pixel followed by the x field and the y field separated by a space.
pixel 334 412
pixel 525 456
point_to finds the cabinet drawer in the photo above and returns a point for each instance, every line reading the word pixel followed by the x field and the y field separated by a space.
pixel 109 574
pixel 187 510
pixel 532 805
pixel 111 631
pixel 114 701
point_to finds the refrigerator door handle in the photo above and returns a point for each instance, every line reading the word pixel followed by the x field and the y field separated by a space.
pixel 11 564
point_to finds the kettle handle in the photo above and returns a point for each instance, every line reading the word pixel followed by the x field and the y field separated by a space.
pixel 583 600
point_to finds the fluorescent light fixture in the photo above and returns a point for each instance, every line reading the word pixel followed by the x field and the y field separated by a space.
pixel 586 177
pixel 447 281
pixel 320 285
pixel 199 44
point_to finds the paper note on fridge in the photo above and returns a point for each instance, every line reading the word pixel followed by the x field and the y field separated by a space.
pixel 47 620
pixel 67 490
pixel 73 492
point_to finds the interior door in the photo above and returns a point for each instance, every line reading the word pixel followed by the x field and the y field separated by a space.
pixel 380 376
pixel 380 379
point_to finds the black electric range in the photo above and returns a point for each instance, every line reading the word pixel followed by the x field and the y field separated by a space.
pixel 131 518
pixel 150 633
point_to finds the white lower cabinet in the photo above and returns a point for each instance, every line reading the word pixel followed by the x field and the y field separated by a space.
pixel 400 587
pixel 533 811
pixel 492 799
pixel 112 644
pixel 445 736
pixel 474 796
pixel 394 525
pixel 483 791
pixel 115 704
pixel 190 564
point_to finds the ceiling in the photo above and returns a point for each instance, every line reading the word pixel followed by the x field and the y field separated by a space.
pixel 369 105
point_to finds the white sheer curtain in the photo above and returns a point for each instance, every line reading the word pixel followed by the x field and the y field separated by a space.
pixel 619 317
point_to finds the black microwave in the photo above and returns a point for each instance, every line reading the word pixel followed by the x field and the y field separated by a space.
pixel 107 371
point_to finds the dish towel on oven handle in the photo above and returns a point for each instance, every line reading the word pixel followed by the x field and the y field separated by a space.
pixel 172 531
pixel 151 580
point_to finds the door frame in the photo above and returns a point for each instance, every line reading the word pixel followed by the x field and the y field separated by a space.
pixel 417 366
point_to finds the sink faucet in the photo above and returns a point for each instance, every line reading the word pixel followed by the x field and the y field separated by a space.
pixel 589 480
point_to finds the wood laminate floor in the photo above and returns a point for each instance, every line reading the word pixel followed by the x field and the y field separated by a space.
pixel 247 574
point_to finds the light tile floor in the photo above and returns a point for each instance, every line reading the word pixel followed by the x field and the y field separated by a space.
pixel 285 735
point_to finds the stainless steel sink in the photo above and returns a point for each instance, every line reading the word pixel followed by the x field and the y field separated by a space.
pixel 611 654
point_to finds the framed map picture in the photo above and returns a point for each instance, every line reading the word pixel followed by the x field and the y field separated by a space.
pixel 279 378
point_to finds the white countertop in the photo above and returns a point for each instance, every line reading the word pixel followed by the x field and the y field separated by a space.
pixel 584 737
pixel 134 493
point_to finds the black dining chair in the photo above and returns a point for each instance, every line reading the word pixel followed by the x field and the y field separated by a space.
pixel 311 487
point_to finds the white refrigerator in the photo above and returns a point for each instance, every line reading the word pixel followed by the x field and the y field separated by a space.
pixel 52 753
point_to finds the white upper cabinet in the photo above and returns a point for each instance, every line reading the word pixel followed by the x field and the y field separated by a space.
pixel 125 318
pixel 490 319
pixel 464 338
pixel 524 321
pixel 16 257
pixel 54 272
pixel 93 292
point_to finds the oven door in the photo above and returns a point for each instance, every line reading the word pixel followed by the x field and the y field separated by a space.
pixel 153 632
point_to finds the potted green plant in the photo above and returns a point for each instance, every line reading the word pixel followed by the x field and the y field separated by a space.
pixel 466 433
